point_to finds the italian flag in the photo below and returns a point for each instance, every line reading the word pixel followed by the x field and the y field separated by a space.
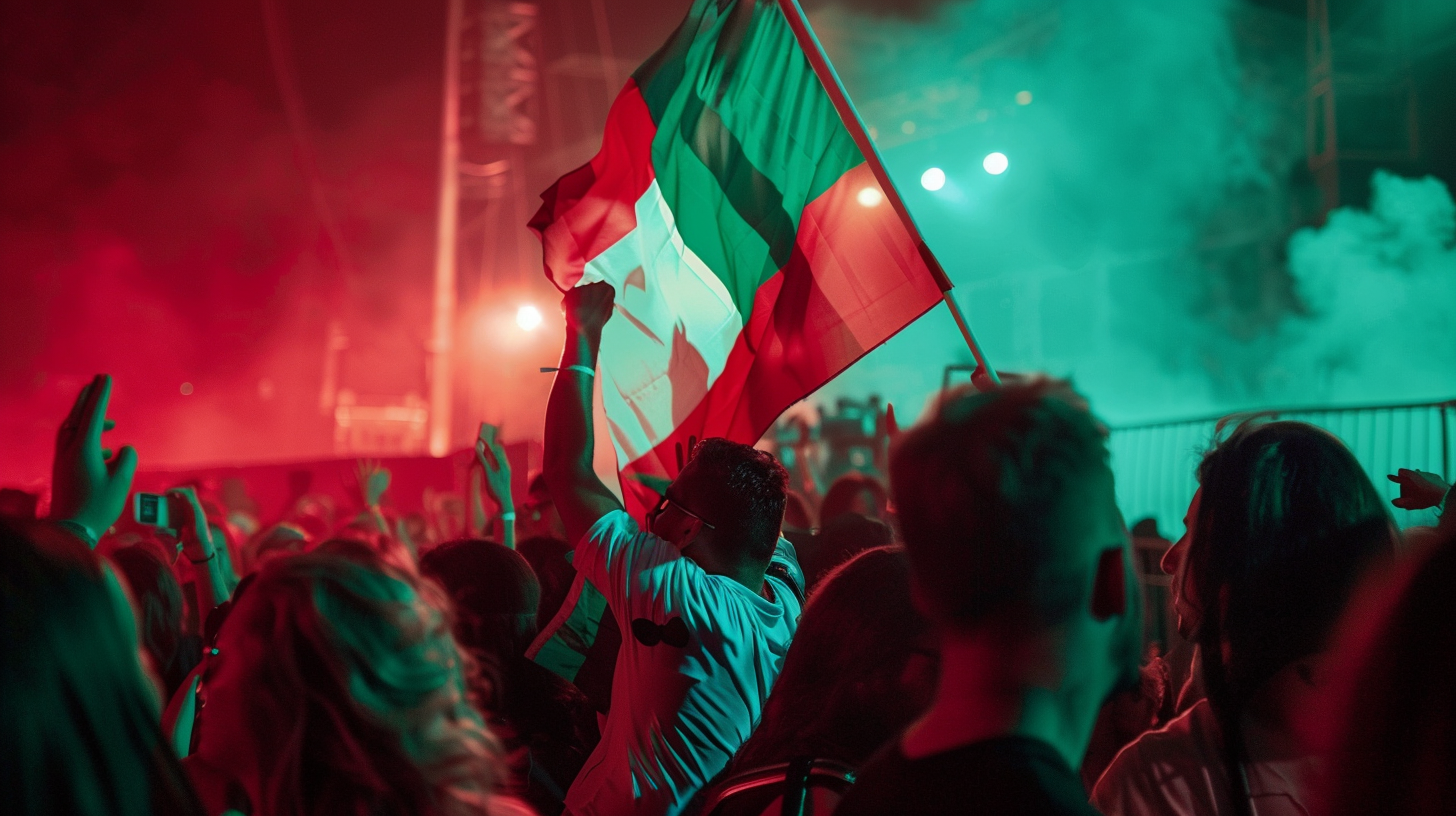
pixel 753 253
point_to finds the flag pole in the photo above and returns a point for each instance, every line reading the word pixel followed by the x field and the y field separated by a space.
pixel 829 78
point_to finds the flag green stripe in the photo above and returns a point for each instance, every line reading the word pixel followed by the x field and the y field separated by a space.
pixel 753 195
pixel 746 139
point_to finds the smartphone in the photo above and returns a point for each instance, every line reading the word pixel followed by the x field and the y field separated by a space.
pixel 154 510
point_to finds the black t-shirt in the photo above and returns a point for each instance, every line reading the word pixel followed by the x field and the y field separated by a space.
pixel 1005 776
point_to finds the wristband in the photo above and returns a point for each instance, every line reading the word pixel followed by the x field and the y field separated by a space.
pixel 79 530
pixel 511 516
pixel 578 368
pixel 205 560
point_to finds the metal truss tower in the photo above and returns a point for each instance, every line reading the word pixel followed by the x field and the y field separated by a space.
pixel 490 117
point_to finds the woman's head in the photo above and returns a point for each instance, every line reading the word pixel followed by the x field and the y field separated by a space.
pixel 861 667
pixel 158 599
pixel 336 681
pixel 550 560
pixel 1285 523
pixel 78 719
pixel 840 540
pixel 854 492
pixel 278 541
pixel 495 592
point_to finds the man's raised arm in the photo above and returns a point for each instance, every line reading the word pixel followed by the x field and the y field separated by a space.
pixel 580 496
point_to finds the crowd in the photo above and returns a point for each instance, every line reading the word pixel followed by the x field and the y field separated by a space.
pixel 965 639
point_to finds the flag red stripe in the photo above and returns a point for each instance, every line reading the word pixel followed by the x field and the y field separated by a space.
pixel 593 207
pixel 854 279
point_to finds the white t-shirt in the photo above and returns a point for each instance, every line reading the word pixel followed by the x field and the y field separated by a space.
pixel 683 706
pixel 1178 770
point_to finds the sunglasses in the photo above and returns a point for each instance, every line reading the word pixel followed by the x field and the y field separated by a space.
pixel 662 504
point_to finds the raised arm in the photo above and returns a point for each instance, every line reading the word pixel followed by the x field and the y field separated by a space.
pixel 496 470
pixel 88 486
pixel 580 496
pixel 198 546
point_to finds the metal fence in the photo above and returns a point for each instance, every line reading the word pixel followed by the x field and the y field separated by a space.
pixel 1154 463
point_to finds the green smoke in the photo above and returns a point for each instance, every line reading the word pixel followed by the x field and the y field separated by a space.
pixel 1380 287
pixel 1140 239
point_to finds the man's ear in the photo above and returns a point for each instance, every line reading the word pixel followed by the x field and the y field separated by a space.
pixel 1109 588
pixel 692 529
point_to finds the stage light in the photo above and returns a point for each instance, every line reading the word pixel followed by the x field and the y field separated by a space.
pixel 528 317
pixel 933 179
pixel 995 163
pixel 1023 97
pixel 870 197
pixel 186 389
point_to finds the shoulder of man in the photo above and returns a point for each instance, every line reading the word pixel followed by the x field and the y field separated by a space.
pixel 784 565
pixel 618 533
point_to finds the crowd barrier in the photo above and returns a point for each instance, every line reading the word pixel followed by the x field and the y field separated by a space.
pixel 1154 462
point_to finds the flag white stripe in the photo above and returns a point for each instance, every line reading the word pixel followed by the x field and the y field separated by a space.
pixel 670 335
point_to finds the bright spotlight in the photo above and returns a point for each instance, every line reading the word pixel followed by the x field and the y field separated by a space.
pixel 933 179
pixel 995 163
pixel 528 317
pixel 870 197
pixel 1023 97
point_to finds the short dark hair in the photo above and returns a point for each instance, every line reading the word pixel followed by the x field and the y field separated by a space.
pixel 980 490
pixel 749 489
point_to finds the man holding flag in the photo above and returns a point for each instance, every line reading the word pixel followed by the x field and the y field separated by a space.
pixel 734 245
pixel 706 624
pixel 754 250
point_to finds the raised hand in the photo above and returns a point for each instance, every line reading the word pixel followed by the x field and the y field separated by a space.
pixel 207 554
pixel 373 481
pixel 1418 489
pixel 588 307
pixel 497 470
pixel 495 465
pixel 191 525
pixel 88 486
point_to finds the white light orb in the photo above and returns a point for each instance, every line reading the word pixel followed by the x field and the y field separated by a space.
pixel 528 317
pixel 995 163
pixel 870 197
pixel 933 179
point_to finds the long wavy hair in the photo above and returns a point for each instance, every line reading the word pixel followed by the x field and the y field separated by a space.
pixel 839 695
pixel 78 718
pixel 364 688
pixel 1286 525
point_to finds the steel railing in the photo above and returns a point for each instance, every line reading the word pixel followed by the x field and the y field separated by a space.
pixel 1155 462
